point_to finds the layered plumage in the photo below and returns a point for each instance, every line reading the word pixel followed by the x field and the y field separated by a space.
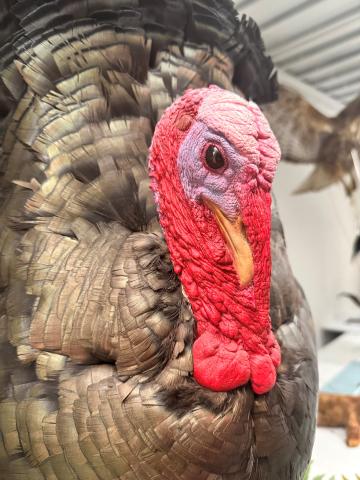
pixel 307 136
pixel 96 332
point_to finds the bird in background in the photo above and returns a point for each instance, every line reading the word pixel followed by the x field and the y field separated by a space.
pixel 306 135
pixel 151 327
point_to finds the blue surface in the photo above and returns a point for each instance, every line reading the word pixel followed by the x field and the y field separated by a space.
pixel 347 381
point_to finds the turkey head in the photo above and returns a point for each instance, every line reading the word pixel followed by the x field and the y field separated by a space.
pixel 212 161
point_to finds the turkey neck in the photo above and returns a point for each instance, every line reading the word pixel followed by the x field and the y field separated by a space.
pixel 205 267
pixel 232 322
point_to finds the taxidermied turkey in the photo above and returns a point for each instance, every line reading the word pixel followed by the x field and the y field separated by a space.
pixel 125 356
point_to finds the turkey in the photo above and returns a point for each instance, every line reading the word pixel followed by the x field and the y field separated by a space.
pixel 135 349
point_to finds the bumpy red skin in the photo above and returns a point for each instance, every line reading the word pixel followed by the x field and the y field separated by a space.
pixel 234 341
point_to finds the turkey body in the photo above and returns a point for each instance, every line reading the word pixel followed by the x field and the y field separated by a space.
pixel 96 377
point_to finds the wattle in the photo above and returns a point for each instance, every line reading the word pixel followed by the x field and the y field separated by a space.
pixel 234 343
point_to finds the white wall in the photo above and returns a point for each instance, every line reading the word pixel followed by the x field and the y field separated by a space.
pixel 320 229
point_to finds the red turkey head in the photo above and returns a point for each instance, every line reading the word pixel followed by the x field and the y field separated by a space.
pixel 212 161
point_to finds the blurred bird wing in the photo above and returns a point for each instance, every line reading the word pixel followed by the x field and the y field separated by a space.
pixel 298 126
pixel 350 112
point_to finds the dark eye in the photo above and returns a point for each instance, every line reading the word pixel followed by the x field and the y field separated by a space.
pixel 213 158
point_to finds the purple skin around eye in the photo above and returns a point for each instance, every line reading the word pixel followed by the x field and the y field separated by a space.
pixel 198 181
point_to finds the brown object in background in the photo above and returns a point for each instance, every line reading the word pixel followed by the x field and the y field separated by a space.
pixel 307 136
pixel 341 411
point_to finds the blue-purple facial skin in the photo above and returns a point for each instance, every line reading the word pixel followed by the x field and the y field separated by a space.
pixel 198 181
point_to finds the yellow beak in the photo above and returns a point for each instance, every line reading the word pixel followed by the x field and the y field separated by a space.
pixel 235 236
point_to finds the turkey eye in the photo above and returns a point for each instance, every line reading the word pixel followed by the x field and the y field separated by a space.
pixel 213 158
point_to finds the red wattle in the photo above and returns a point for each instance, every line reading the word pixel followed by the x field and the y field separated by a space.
pixel 219 365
